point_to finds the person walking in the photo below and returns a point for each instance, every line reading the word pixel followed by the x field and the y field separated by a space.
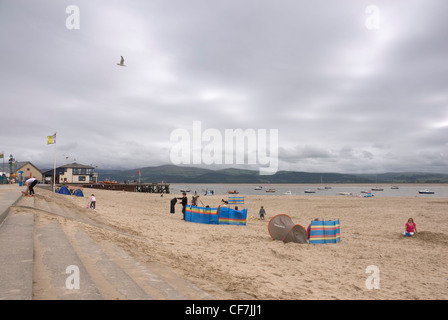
pixel 92 201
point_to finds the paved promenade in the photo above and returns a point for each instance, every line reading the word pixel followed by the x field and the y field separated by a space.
pixel 9 195
pixel 41 257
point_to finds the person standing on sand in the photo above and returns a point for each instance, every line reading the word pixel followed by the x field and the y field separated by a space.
pixel 194 200
pixel 410 228
pixel 173 203
pixel 92 201
pixel 262 213
pixel 184 203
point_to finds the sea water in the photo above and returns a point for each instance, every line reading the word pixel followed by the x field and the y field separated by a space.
pixel 299 189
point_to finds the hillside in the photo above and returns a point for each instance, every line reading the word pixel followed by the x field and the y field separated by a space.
pixel 176 174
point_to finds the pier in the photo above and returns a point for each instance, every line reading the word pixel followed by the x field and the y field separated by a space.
pixel 131 187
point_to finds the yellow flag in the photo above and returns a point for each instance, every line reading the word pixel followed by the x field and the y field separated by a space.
pixel 51 139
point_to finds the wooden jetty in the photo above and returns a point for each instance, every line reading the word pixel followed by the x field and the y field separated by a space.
pixel 131 187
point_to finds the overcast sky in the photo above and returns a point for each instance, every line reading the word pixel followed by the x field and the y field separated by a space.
pixel 346 95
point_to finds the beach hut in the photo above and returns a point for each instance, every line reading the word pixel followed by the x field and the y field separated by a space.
pixel 63 190
pixel 78 193
pixel 281 227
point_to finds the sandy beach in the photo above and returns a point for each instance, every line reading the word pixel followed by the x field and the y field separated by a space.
pixel 243 262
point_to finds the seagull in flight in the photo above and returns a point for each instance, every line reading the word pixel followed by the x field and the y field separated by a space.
pixel 121 64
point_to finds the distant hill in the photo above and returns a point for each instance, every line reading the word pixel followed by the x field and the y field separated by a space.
pixel 176 174
pixel 408 177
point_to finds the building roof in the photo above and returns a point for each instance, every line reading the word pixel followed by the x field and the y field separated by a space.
pixel 77 166
pixel 74 165
pixel 19 165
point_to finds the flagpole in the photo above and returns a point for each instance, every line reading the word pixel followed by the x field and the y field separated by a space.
pixel 3 171
pixel 54 167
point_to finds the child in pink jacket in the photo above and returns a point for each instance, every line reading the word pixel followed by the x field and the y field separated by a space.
pixel 410 228
pixel 92 201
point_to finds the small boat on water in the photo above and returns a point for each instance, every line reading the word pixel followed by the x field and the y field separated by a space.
pixel 345 193
pixel 233 192
pixel 425 191
pixel 288 193
pixel 258 188
pixel 394 187
pixel 377 189
pixel 270 190
pixel 321 187
pixel 309 191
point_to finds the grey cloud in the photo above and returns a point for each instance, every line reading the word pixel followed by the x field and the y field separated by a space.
pixel 343 98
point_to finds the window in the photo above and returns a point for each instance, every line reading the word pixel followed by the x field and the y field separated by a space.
pixel 82 178
pixel 82 171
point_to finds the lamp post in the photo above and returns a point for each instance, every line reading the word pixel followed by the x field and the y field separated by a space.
pixel 11 162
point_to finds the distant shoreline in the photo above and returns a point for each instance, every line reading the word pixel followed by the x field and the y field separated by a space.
pixel 313 190
pixel 379 184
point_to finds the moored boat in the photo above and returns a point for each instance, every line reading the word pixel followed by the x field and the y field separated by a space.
pixel 425 191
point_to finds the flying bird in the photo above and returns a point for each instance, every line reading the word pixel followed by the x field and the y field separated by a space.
pixel 121 64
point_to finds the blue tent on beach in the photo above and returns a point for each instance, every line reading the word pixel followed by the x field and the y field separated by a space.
pixel 78 193
pixel 63 190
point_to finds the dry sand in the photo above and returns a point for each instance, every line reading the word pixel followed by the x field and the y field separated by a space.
pixel 243 262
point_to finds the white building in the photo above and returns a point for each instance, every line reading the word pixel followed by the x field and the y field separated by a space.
pixel 72 173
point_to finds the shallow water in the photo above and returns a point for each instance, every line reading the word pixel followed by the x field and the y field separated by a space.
pixel 299 189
